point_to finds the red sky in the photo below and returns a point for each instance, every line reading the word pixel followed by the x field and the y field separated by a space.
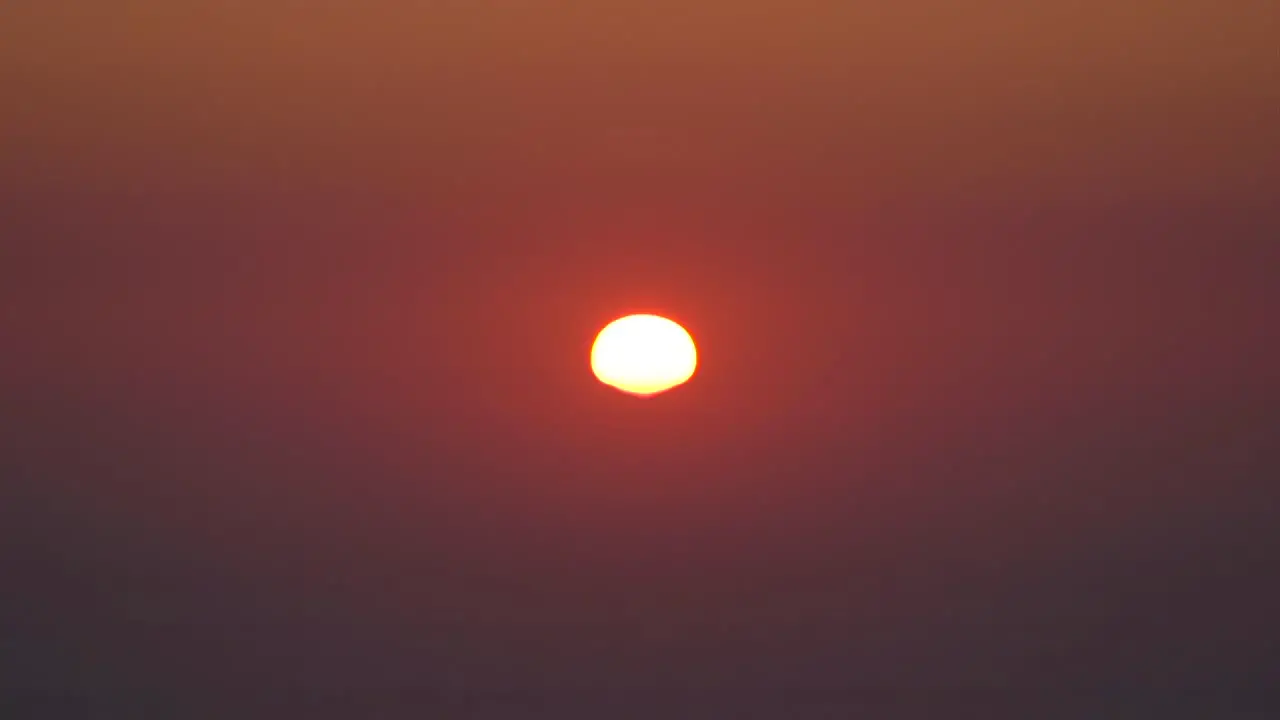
pixel 295 302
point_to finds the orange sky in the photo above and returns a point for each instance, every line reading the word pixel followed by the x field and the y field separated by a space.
pixel 296 304
pixel 872 97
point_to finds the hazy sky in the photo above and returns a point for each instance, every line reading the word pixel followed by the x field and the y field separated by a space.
pixel 296 298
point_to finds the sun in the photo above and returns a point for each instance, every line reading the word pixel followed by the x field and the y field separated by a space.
pixel 643 355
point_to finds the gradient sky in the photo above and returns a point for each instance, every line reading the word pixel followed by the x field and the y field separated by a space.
pixel 296 300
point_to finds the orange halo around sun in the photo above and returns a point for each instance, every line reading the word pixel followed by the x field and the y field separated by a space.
pixel 643 355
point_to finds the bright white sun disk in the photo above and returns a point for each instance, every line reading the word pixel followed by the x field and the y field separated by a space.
pixel 643 355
